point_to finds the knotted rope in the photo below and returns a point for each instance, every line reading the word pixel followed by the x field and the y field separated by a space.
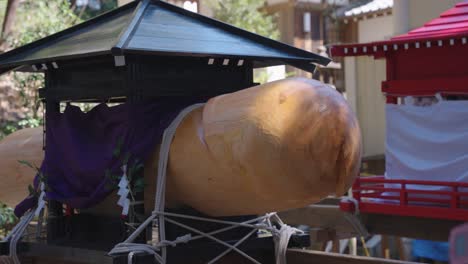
pixel 17 232
pixel 281 236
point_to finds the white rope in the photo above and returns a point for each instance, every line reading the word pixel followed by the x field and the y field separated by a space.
pixel 167 138
pixel 281 238
pixel 17 232
pixel 266 222
pixel 354 201
pixel 234 246
pixel 353 219
pixel 281 242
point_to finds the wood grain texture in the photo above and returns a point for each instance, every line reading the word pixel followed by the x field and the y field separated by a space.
pixel 326 217
pixel 406 226
pixel 273 147
pixel 296 256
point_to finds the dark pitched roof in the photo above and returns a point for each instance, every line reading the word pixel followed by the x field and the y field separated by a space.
pixel 157 28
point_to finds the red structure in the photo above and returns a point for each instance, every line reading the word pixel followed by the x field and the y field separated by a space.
pixel 402 201
pixel 428 60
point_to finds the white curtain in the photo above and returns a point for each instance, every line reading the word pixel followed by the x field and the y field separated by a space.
pixel 427 143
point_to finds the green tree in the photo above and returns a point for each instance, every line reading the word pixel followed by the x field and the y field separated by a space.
pixel 7 219
pixel 246 14
pixel 34 19
pixel 30 20
pixel 84 12
pixel 40 18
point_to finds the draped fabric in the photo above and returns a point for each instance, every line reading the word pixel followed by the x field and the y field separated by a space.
pixel 427 143
pixel 81 147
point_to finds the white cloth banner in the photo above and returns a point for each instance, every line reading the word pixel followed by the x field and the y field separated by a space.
pixel 427 143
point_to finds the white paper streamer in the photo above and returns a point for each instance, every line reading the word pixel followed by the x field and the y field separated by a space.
pixel 40 201
pixel 123 201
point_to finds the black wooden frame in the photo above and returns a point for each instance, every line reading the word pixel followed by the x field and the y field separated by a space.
pixel 97 79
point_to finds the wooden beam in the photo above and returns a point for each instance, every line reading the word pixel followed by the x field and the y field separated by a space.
pixel 405 226
pixel 326 216
pixel 59 254
pixel 329 216
pixel 299 256
pixel 385 247
pixel 426 87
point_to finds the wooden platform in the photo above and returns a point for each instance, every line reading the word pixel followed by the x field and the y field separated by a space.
pixel 321 217
pixel 326 221
pixel 296 256
pixel 412 227
pixel 40 254
pixel 328 215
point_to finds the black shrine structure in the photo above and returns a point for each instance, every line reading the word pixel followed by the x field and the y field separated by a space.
pixel 145 49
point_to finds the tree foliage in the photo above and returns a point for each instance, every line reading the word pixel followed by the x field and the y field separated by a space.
pixel 246 14
pixel 85 12
pixel 31 20
pixel 40 18
pixel 35 19
pixel 7 217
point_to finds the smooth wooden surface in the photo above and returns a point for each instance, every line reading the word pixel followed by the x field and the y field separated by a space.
pixel 273 147
pixel 320 216
pixel 401 248
pixel 38 253
pixel 297 256
pixel 385 247
pixel 371 104
pixel 329 216
pixel 413 227
pixel 25 144
pixel 42 253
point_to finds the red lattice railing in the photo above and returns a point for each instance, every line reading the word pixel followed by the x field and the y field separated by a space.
pixel 409 198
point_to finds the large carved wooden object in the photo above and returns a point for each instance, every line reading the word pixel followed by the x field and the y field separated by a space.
pixel 272 147
pixel 15 177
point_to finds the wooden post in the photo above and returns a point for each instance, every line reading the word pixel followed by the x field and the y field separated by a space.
pixel 385 247
pixel 401 249
pixel 55 224
pixel 403 194
pixel 455 198
pixel 336 245
pixel 331 236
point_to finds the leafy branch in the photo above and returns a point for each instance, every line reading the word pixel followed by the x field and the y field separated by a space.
pixel 35 192
pixel 7 217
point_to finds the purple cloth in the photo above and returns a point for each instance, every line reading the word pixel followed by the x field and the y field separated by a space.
pixel 80 147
